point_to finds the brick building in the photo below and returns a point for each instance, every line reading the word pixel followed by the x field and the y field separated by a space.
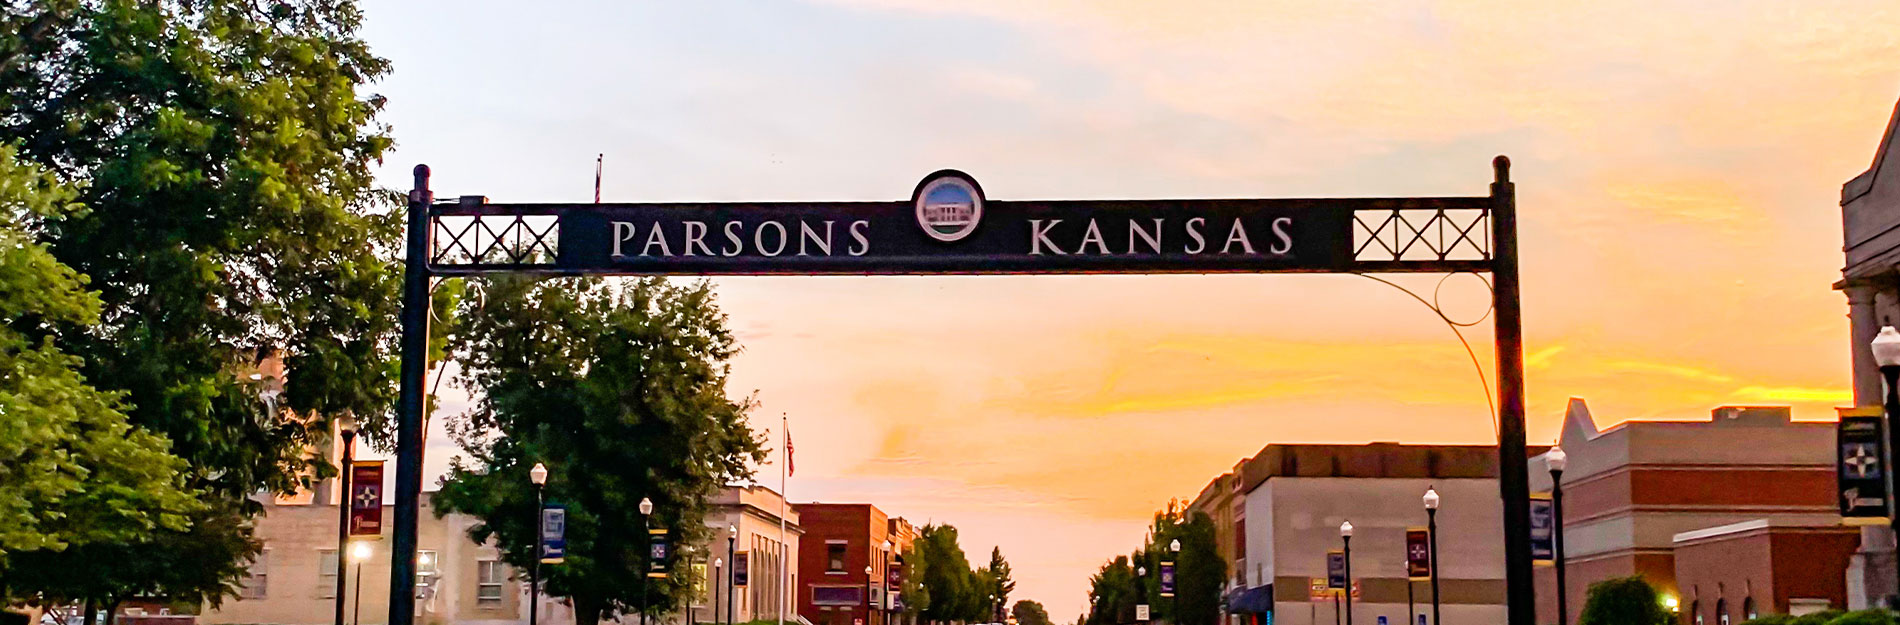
pixel 846 556
pixel 1733 573
pixel 1870 278
pixel 1225 502
pixel 1631 489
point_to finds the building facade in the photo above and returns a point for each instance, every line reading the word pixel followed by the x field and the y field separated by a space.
pixel 1297 496
pixel 1870 278
pixel 1224 502
pixel 847 556
pixel 1631 489
pixel 770 575
pixel 1733 573
pixel 294 582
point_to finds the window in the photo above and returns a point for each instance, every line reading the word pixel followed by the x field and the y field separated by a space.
pixel 837 595
pixel 488 576
pixel 326 573
pixel 1695 608
pixel 1748 609
pixel 1721 612
pixel 256 584
pixel 425 563
pixel 834 557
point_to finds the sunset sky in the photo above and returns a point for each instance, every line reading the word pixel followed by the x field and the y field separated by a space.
pixel 1678 165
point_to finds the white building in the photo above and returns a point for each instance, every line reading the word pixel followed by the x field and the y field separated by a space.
pixel 1297 496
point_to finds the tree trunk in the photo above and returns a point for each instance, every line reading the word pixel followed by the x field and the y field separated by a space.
pixel 112 610
pixel 586 611
pixel 90 616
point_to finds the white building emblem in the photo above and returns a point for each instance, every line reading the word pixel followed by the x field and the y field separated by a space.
pixel 949 207
pixel 1858 461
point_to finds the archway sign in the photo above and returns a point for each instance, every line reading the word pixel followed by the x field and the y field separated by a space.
pixel 949 226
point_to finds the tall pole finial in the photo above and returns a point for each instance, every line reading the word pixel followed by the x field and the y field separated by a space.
pixel 1501 168
pixel 598 160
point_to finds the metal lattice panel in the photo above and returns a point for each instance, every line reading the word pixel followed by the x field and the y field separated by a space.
pixel 1421 235
pixel 478 241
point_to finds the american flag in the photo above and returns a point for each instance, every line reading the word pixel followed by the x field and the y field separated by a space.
pixel 790 467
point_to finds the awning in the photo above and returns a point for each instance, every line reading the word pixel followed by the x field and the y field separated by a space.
pixel 1256 600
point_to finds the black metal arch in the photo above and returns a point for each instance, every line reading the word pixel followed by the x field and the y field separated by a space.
pixel 1335 235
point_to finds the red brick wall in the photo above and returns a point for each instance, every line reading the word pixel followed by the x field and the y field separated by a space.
pixel 863 528
pixel 1812 564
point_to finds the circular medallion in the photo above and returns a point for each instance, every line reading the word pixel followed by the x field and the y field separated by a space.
pixel 949 205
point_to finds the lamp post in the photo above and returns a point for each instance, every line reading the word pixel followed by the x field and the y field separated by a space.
pixel 1556 460
pixel 732 546
pixel 1173 577
pixel 1431 540
pixel 1141 581
pixel 884 606
pixel 538 475
pixel 1887 355
pixel 343 517
pixel 1345 540
pixel 646 522
pixel 718 565
pixel 359 552
pixel 867 592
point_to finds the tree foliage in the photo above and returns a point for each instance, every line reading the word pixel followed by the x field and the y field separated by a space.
pixel 619 389
pixel 997 579
pixel 1030 613
pixel 1623 601
pixel 222 151
pixel 76 473
pixel 1126 581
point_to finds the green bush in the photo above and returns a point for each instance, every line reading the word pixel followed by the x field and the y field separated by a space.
pixel 1624 601
pixel 1865 617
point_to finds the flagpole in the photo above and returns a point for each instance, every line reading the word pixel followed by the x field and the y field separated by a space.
pixel 784 434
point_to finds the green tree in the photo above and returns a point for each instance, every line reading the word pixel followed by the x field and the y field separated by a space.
pixel 76 472
pixel 955 594
pixel 998 583
pixel 1030 613
pixel 1198 573
pixel 222 150
pixel 620 390
pixel 1113 593
pixel 1623 601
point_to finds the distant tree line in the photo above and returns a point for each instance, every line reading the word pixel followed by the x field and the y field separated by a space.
pixel 940 586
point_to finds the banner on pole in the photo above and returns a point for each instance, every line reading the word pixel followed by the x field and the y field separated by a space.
pixel 1543 530
pixel 553 534
pixel 366 498
pixel 1167 579
pixel 741 568
pixel 1336 570
pixel 657 551
pixel 1861 478
pixel 1418 554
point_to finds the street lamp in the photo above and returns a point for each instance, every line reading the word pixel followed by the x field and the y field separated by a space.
pixel 1556 460
pixel 1345 539
pixel 732 546
pixel 359 552
pixel 867 591
pixel 884 607
pixel 646 522
pixel 1887 354
pixel 1431 539
pixel 718 565
pixel 343 500
pixel 538 475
